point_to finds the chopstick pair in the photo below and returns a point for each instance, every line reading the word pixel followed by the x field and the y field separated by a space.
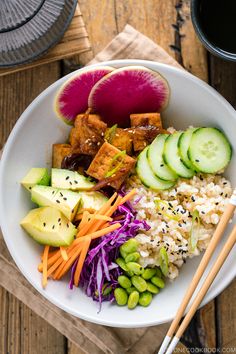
pixel 169 344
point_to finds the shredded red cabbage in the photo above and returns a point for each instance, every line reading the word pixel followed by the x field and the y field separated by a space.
pixel 100 270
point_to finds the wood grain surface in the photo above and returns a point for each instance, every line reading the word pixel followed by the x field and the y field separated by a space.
pixel 167 23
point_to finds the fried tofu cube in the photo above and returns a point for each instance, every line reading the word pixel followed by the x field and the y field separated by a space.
pixel 59 152
pixel 109 159
pixel 122 140
pixel 144 136
pixel 144 119
pixel 87 136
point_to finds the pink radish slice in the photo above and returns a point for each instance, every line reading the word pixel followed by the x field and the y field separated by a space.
pixel 72 98
pixel 131 89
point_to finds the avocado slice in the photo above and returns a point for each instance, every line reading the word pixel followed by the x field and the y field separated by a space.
pixel 35 176
pixel 91 201
pixel 48 226
pixel 65 179
pixel 64 200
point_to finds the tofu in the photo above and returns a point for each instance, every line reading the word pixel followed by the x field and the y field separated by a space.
pixel 144 136
pixel 87 136
pixel 59 151
pixel 104 162
pixel 122 140
pixel 144 119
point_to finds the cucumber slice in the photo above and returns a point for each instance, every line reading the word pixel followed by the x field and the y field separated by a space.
pixel 146 175
pixel 172 158
pixel 183 144
pixel 155 159
pixel 209 150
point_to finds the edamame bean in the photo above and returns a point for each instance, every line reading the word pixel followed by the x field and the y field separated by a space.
pixel 158 272
pixel 130 290
pixel 121 263
pixel 123 253
pixel 158 282
pixel 121 296
pixel 132 257
pixel 133 300
pixel 149 273
pixel 139 283
pixel 135 267
pixel 129 273
pixel 106 289
pixel 129 246
pixel 124 281
pixel 152 288
pixel 145 299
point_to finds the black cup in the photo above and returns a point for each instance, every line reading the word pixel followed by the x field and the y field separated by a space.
pixel 210 42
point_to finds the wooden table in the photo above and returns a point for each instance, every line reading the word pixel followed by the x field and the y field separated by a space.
pixel 168 23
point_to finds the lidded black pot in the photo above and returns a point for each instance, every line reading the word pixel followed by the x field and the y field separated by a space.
pixel 29 28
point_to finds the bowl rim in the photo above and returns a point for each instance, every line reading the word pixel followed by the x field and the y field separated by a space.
pixel 121 62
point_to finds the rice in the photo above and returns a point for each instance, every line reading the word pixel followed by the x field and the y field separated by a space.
pixel 169 213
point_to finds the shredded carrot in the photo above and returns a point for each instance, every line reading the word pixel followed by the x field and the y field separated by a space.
pixel 98 233
pixel 57 263
pixel 85 219
pixel 81 260
pixel 128 196
pixel 64 253
pixel 101 211
pixel 66 266
pixel 45 266
pixel 102 217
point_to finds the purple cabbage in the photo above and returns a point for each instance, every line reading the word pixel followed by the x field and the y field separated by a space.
pixel 100 271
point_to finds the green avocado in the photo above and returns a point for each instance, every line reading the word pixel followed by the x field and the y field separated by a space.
pixel 36 176
pixel 48 226
pixel 64 200
pixel 66 179
pixel 91 200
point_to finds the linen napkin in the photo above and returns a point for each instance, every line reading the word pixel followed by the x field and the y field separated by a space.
pixel 90 337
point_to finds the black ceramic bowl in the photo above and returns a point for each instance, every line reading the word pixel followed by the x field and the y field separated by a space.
pixel 29 28
pixel 197 23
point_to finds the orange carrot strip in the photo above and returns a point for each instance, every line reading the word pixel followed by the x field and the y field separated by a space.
pixel 98 233
pixel 45 266
pixel 109 212
pixel 128 196
pixel 64 253
pixel 85 219
pixel 81 261
pixel 101 211
pixel 51 260
pixel 55 266
pixel 63 269
pixel 102 217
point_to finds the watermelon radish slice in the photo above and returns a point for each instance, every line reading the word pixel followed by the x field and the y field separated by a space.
pixel 72 98
pixel 131 89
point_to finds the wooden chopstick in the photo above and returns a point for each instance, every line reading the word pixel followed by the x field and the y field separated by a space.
pixel 227 215
pixel 231 241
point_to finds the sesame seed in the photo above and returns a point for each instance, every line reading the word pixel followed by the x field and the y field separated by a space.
pixel 197 160
pixel 193 199
pixel 180 225
pixel 65 198
pixel 217 203
pixel 53 192
pixel 53 227
pixel 44 224
pixel 67 225
pixel 203 212
pixel 70 183
pixel 201 178
pixel 221 193
pixel 162 165
pixel 59 220
pixel 72 211
pixel 58 201
pixel 167 244
pixel 225 183
pixel 67 178
pixel 61 194
pixel 30 187
pixel 60 224
pixel 76 182
pixel 226 195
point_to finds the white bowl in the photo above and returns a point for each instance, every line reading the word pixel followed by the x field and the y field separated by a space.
pixel 29 145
